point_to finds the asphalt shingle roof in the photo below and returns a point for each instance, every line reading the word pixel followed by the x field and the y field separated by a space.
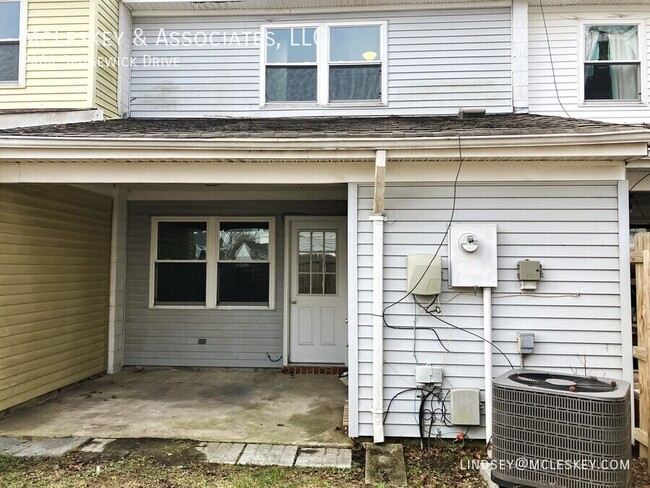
pixel 323 127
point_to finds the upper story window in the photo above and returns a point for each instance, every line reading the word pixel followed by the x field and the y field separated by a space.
pixel 10 49
pixel 612 63
pixel 324 64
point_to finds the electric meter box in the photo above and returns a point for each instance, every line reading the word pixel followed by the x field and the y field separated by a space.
pixel 424 274
pixel 473 256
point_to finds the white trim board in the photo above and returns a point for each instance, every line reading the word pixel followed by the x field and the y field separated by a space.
pixel 291 173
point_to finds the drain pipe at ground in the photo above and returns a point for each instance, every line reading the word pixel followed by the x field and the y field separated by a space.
pixel 487 353
pixel 377 219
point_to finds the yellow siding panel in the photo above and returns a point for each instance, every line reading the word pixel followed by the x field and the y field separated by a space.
pixel 54 287
pixel 58 49
pixel 108 12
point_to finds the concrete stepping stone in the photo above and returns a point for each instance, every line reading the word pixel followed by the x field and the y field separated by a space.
pixel 54 447
pixel 324 458
pixel 96 445
pixel 385 465
pixel 221 452
pixel 268 455
pixel 10 445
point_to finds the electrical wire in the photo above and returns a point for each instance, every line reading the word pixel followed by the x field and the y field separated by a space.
pixel 451 220
pixel 475 335
pixel 550 57
pixel 637 183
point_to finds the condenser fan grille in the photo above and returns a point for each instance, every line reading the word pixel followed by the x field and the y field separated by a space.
pixel 560 382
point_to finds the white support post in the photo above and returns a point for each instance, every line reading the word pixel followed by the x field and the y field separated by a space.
pixel 519 35
pixel 117 283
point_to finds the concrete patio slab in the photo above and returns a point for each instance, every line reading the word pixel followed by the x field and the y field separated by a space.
pixel 268 455
pixel 96 445
pixel 209 405
pixel 324 458
pixel 9 445
pixel 221 452
pixel 50 447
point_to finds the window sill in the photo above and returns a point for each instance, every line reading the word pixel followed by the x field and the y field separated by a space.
pixel 332 105
pixel 613 103
pixel 199 307
pixel 11 84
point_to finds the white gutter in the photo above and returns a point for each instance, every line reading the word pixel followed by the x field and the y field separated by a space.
pixel 378 300
pixel 487 353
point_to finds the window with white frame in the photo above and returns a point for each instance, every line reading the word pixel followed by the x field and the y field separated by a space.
pixel 323 64
pixel 10 49
pixel 612 62
pixel 212 262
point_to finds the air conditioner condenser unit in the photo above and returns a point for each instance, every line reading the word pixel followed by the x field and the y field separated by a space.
pixel 564 431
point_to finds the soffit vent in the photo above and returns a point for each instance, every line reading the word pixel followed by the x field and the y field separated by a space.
pixel 466 113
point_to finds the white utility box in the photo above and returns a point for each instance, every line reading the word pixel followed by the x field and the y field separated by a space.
pixel 424 274
pixel 473 256
pixel 426 374
pixel 465 407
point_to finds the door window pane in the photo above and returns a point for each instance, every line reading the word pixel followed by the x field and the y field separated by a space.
pixel 294 45
pixel 180 284
pixel 291 84
pixel 9 20
pixel 355 83
pixel 181 240
pixel 355 43
pixel 320 278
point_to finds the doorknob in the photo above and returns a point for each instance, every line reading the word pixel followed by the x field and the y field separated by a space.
pixel 293 300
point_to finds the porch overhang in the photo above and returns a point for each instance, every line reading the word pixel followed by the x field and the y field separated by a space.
pixel 315 150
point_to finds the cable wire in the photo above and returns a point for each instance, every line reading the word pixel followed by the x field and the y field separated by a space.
pixel 442 241
pixel 550 57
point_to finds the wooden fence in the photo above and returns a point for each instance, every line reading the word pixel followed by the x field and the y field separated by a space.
pixel 640 257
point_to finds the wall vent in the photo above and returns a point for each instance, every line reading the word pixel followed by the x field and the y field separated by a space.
pixel 467 113
pixel 555 422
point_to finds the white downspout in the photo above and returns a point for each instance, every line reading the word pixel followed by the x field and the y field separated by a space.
pixel 487 352
pixel 378 300
pixel 377 328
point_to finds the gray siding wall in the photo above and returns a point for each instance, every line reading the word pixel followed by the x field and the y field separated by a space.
pixel 576 314
pixel 438 61
pixel 235 338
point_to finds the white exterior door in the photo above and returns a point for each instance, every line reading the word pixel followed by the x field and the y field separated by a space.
pixel 318 291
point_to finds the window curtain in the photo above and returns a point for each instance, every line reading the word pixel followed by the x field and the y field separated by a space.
pixel 612 43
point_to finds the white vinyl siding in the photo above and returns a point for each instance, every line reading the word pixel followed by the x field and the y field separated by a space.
pixel 437 61
pixel 234 338
pixel 54 288
pixel 571 228
pixel 565 34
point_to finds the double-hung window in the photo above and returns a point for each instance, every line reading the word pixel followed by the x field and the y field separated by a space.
pixel 324 64
pixel 612 62
pixel 10 42
pixel 211 262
